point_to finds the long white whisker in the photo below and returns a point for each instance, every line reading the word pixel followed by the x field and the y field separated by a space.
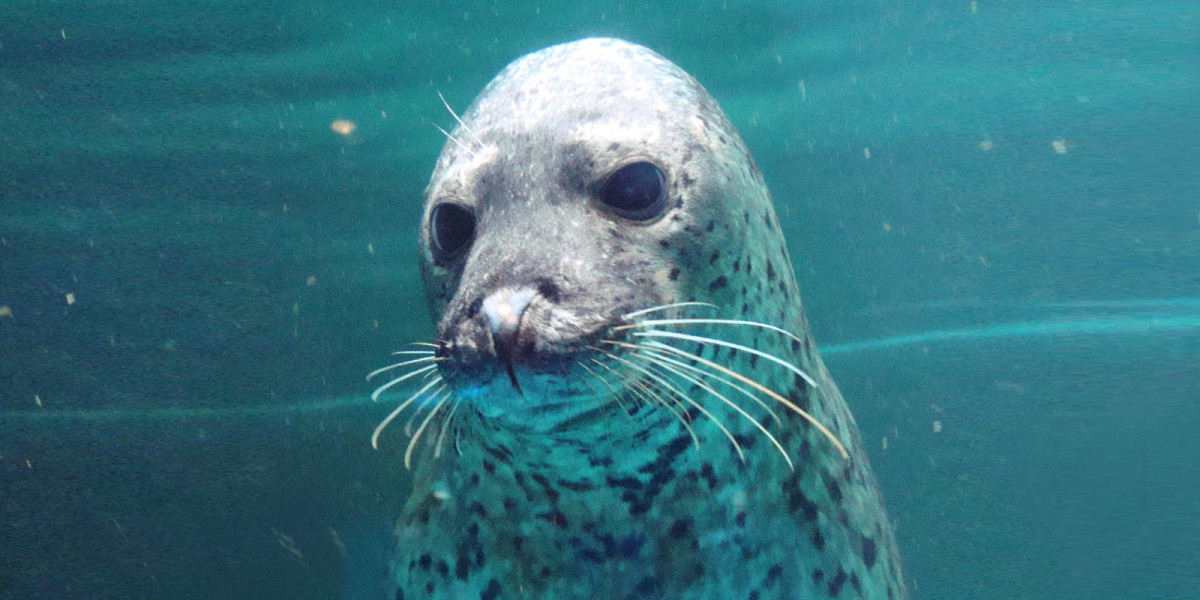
pixel 758 386
pixel 415 361
pixel 417 436
pixel 460 121
pixel 445 426
pixel 465 148
pixel 642 390
pixel 660 307
pixel 656 322
pixel 705 340
pixel 397 381
pixel 421 352
pixel 399 409
pixel 657 361
pixel 745 392
pixel 616 394
pixel 679 394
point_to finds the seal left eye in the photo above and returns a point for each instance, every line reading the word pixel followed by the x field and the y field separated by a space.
pixel 636 191
pixel 453 228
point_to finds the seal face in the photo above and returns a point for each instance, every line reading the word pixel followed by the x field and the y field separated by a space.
pixel 623 400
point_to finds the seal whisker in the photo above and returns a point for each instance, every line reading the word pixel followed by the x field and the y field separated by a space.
pixel 415 361
pixel 661 307
pixel 703 373
pixel 649 397
pixel 421 352
pixel 680 395
pixel 760 387
pixel 657 322
pixel 661 363
pixel 616 395
pixel 430 344
pixel 399 409
pixel 451 137
pixel 460 121
pixel 397 381
pixel 444 426
pixel 412 443
pixel 707 340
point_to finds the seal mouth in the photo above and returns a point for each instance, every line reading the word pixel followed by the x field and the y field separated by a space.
pixel 644 360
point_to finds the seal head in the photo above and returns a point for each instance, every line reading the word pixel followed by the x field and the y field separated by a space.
pixel 548 220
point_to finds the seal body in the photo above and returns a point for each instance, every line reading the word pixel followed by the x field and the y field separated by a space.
pixel 624 400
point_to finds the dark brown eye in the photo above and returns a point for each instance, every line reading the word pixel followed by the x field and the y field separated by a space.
pixel 452 228
pixel 636 191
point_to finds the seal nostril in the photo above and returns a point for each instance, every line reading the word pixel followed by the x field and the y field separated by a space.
pixel 549 290
pixel 473 309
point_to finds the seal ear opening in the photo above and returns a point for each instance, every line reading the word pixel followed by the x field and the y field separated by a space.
pixel 636 191
pixel 452 229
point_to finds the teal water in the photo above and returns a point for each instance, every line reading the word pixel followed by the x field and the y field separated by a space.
pixel 992 209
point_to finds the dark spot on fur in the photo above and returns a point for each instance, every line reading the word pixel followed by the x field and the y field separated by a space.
pixel 718 283
pixel 425 561
pixel 443 569
pixel 770 271
pixel 491 592
pixel 746 216
pixel 795 346
pixel 576 486
pixel 740 518
pixel 518 542
pixel 832 486
pixel 664 243
pixel 818 575
pixel 856 584
pixel 737 266
pixel 745 308
pixel 674 275
pixel 710 477
pixel 835 584
pixel 869 552
pixel 462 567
pixel 711 225
pixel 473 308
pixel 555 517
pixel 680 528
pixel 818 539
pixel 773 575
pixel 399 594
pixel 753 595
pixel 712 260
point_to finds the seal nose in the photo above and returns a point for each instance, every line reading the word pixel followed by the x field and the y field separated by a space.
pixel 504 310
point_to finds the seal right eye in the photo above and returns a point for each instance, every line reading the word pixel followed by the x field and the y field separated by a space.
pixel 453 228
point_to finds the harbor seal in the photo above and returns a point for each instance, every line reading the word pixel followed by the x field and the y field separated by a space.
pixel 623 400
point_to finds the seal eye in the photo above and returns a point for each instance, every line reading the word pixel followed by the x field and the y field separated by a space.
pixel 636 191
pixel 453 228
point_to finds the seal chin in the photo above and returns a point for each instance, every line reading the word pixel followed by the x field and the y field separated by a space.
pixel 542 402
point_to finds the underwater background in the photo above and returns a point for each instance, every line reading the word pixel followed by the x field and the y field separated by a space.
pixel 208 221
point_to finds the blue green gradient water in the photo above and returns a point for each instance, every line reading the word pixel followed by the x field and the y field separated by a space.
pixel 992 209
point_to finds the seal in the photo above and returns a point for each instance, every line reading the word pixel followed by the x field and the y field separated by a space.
pixel 624 400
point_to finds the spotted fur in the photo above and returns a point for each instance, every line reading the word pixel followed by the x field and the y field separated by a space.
pixel 562 481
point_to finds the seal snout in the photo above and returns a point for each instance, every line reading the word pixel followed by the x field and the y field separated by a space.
pixel 504 310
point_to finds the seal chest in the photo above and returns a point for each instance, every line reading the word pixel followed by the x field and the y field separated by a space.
pixel 623 400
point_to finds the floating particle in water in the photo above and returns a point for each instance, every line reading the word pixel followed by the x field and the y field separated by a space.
pixel 1059 145
pixel 987 145
pixel 343 126
pixel 937 426
pixel 70 298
